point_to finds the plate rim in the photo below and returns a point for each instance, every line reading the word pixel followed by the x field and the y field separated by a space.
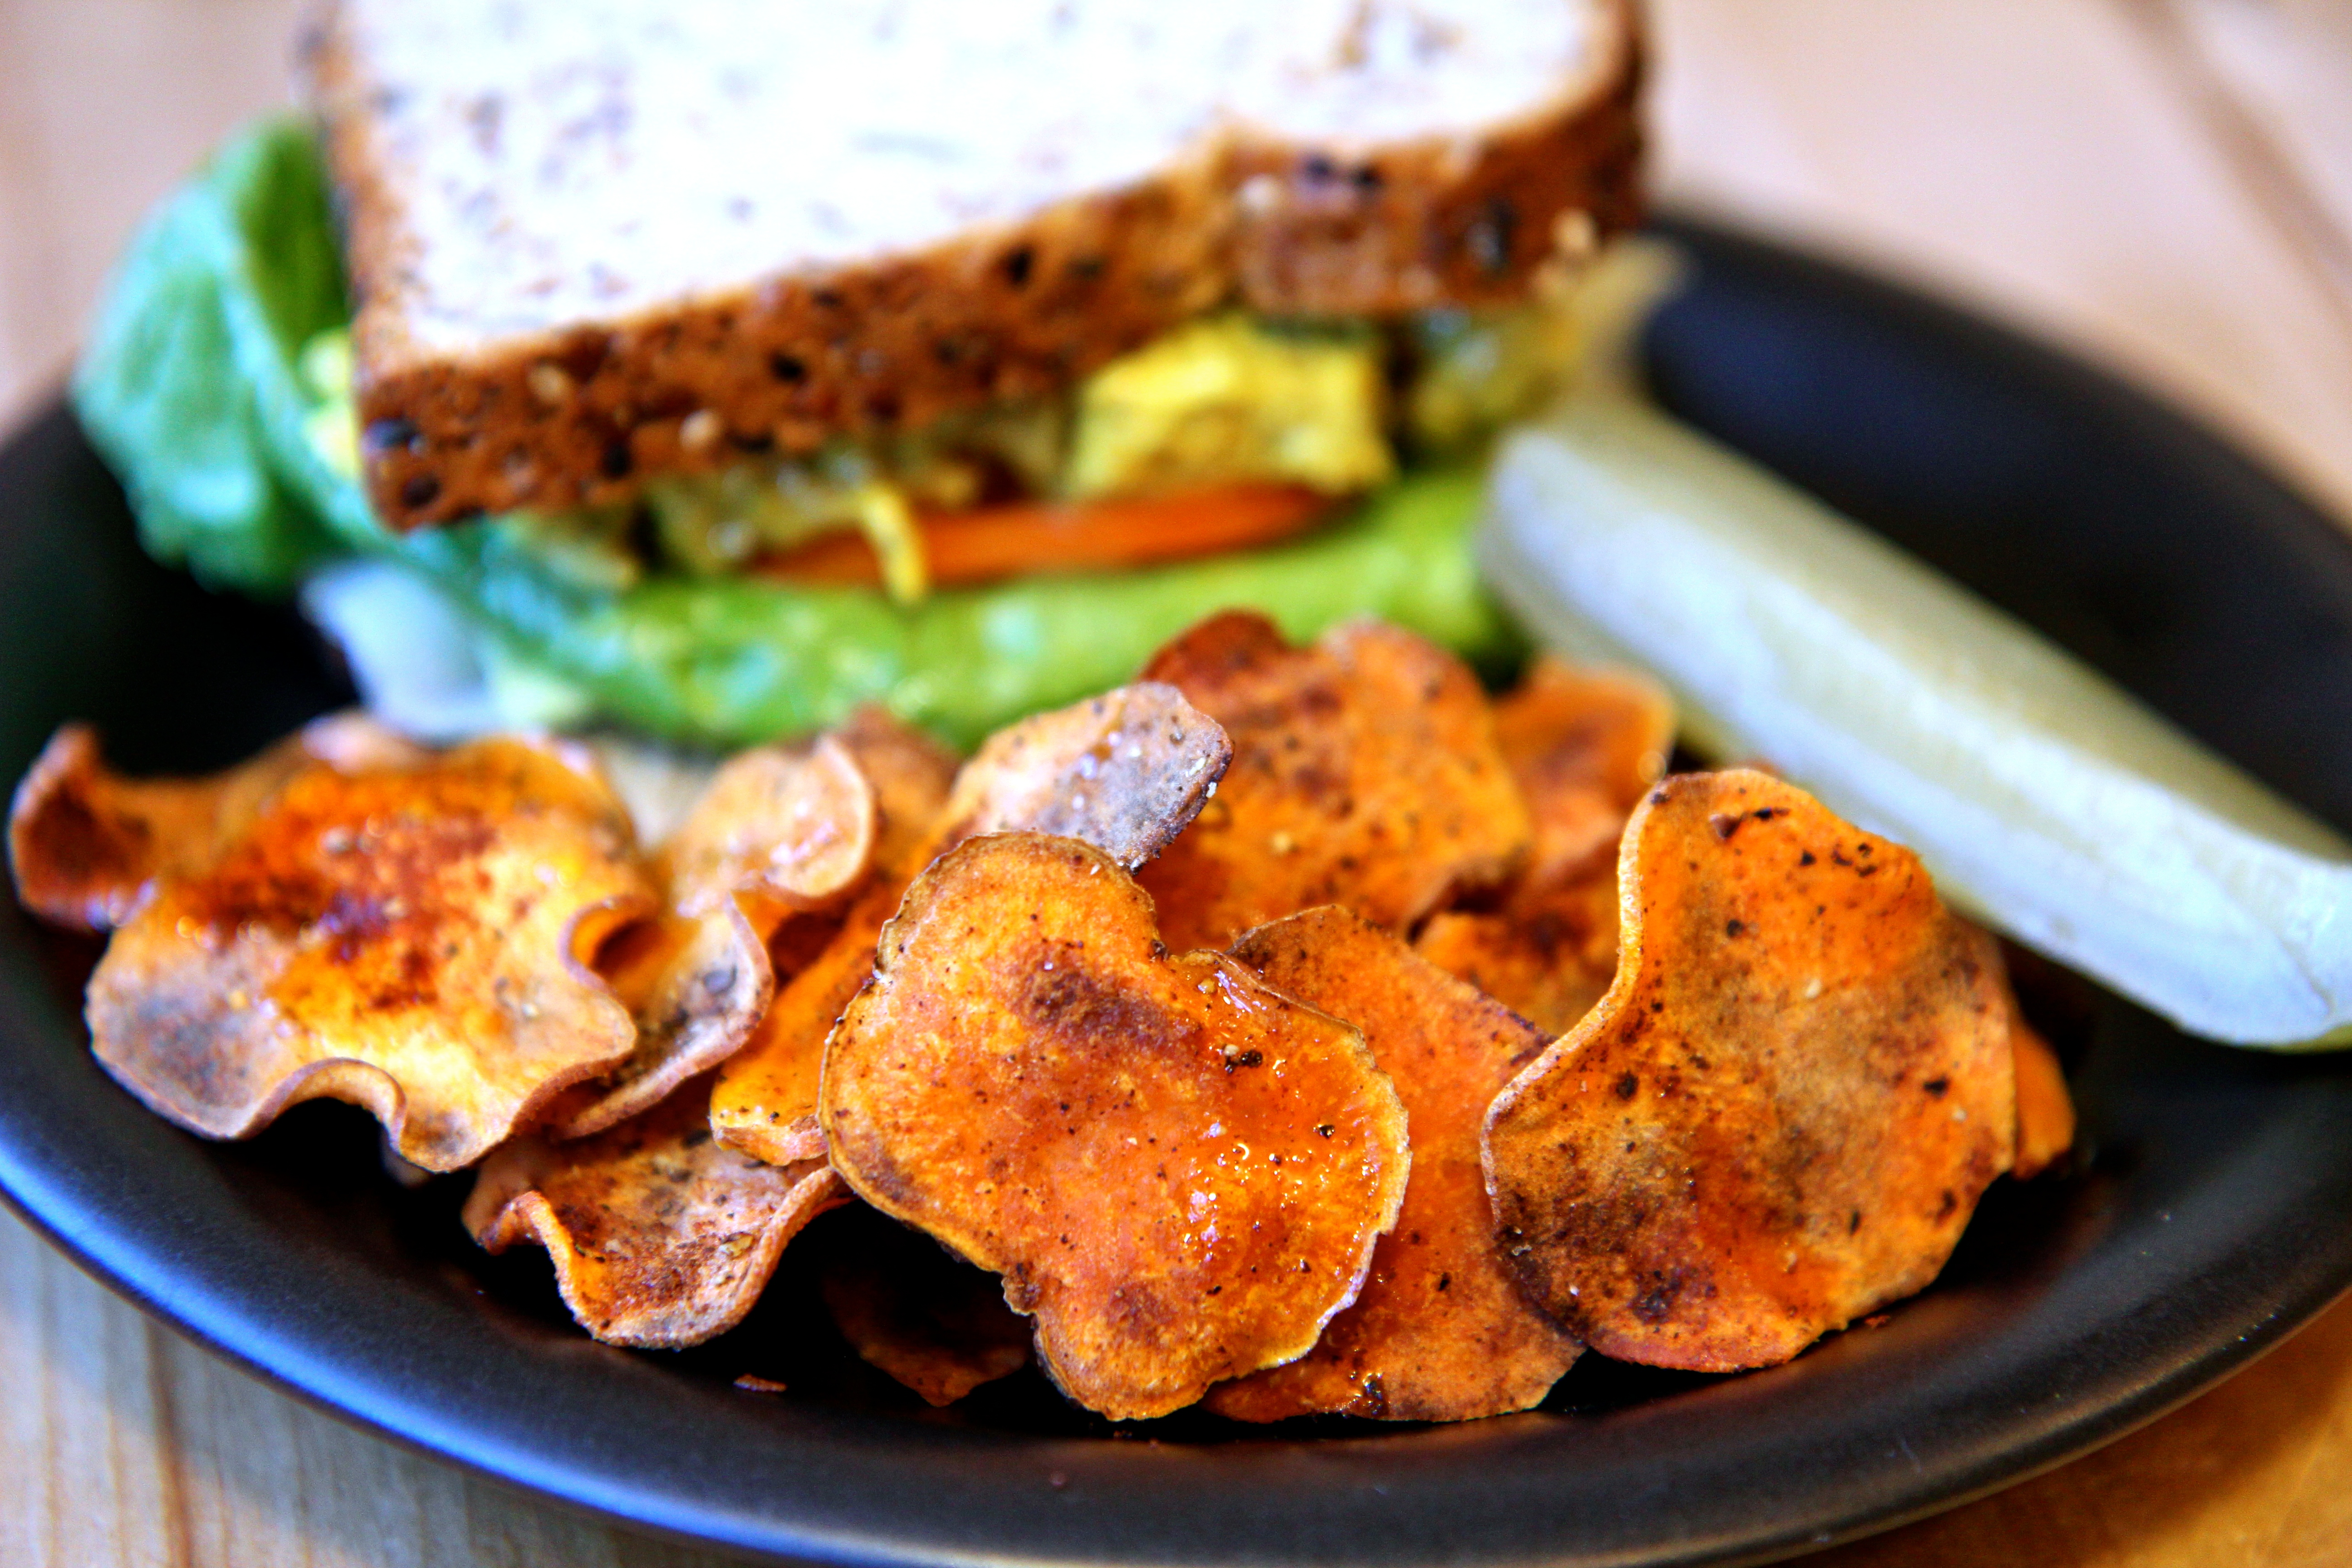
pixel 26 1195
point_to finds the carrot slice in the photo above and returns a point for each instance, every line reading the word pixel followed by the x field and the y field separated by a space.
pixel 998 541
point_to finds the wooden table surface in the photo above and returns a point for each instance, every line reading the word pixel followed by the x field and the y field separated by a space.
pixel 2165 185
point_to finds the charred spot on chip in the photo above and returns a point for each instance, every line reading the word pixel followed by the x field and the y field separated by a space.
pixel 1441 1331
pixel 1194 1254
pixel 1369 758
pixel 412 939
pixel 1834 1185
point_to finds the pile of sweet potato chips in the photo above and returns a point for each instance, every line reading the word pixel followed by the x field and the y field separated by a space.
pixel 1295 1031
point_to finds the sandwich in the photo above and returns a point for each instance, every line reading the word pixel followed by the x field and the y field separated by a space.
pixel 713 368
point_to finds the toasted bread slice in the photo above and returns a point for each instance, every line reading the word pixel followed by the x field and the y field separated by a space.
pixel 597 242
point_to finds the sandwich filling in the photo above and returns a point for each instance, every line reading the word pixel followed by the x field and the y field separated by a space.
pixel 982 567
pixel 1233 431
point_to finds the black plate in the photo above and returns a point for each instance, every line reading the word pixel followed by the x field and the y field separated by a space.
pixel 2204 1222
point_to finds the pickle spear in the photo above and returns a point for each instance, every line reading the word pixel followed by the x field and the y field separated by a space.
pixel 2042 797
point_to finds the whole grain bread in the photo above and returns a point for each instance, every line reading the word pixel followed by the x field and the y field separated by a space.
pixel 600 240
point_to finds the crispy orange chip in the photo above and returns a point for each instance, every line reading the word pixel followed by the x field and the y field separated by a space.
pixel 1442 1330
pixel 1547 957
pixel 696 986
pixel 87 843
pixel 2045 1111
pixel 660 1236
pixel 1783 1113
pixel 1366 773
pixel 1125 771
pixel 1583 745
pixel 779 831
pixel 1179 1171
pixel 911 774
pixel 929 1320
pixel 765 1104
pixel 412 939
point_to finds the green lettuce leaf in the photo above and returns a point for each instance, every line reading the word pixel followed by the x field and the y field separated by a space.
pixel 192 387
pixel 190 363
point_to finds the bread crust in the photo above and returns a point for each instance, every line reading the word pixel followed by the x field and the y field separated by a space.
pixel 585 414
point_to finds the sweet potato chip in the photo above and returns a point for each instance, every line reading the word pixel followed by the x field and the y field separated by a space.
pixel 412 939
pixel 1547 957
pixel 1583 746
pixel 696 986
pixel 1125 771
pixel 658 783
pixel 779 831
pixel 2045 1111
pixel 1442 1330
pixel 659 1236
pixel 781 828
pixel 1365 773
pixel 1179 1171
pixel 929 1320
pixel 911 774
pixel 1784 1110
pixel 765 1104
pixel 87 843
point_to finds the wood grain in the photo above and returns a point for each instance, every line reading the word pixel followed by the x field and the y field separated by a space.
pixel 103 104
pixel 121 1444
pixel 2164 184
pixel 2038 159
